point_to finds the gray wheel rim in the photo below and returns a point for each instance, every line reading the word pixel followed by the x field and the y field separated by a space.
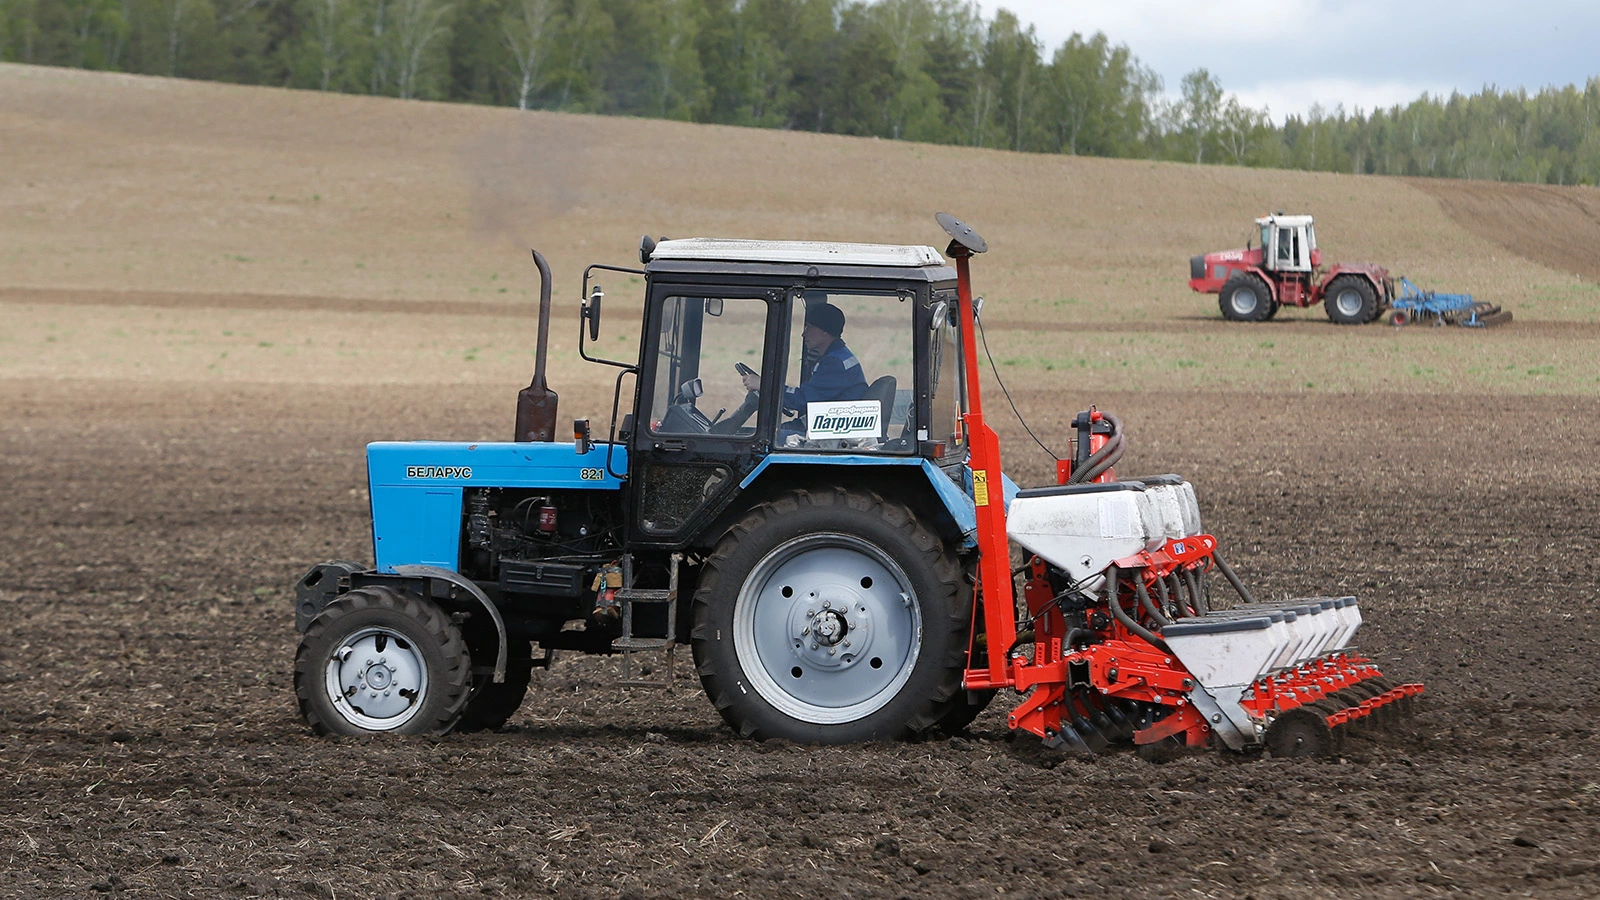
pixel 1349 302
pixel 827 628
pixel 1245 301
pixel 377 679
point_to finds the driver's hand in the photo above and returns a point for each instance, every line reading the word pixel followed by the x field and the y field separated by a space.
pixel 752 382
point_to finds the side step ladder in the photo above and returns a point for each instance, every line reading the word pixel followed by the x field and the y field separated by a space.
pixel 633 674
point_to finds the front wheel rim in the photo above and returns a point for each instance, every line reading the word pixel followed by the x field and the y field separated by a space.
pixel 376 679
pixel 827 629
pixel 1349 302
pixel 1244 301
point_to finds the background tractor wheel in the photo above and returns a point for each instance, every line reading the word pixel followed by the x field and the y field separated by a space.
pixel 832 616
pixel 1245 298
pixel 491 704
pixel 1399 318
pixel 381 659
pixel 1272 311
pixel 1350 300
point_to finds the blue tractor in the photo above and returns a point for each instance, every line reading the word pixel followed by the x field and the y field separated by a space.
pixel 804 460
pixel 786 456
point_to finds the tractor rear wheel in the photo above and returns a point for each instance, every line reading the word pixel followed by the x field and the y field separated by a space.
pixel 832 616
pixel 1350 300
pixel 381 659
pixel 1245 298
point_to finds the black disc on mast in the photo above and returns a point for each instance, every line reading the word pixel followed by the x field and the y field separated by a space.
pixel 962 233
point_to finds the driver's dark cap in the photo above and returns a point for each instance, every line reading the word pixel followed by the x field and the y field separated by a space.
pixel 827 317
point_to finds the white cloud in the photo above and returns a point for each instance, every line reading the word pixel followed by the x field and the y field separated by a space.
pixel 1288 54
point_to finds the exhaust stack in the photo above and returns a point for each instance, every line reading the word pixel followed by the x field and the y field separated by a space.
pixel 536 403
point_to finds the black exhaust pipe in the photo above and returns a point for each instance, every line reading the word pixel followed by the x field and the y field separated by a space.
pixel 536 403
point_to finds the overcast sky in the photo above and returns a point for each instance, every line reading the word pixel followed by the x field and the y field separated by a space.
pixel 1289 54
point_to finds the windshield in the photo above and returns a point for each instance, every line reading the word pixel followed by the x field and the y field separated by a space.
pixel 703 341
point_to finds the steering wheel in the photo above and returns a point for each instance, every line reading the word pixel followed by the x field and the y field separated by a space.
pixel 740 415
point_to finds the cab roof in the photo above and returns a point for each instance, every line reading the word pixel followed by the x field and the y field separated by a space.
pixel 1284 221
pixel 813 253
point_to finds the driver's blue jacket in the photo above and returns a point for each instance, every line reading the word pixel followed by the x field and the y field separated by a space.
pixel 836 375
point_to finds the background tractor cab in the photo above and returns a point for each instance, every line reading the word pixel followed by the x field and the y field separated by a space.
pixel 1289 243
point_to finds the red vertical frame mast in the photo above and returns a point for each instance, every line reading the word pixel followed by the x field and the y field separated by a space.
pixel 988 480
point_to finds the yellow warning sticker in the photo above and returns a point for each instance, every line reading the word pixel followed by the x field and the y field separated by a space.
pixel 980 487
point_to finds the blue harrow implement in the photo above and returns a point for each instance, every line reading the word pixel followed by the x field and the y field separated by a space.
pixel 1415 306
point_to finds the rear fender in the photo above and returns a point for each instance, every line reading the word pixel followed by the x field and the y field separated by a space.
pixel 916 482
pixel 1375 275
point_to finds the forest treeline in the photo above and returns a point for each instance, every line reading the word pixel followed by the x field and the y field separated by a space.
pixel 920 70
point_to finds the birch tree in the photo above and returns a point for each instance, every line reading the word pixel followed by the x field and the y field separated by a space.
pixel 526 29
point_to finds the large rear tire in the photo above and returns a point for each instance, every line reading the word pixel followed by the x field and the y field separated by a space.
pixel 1245 298
pixel 380 659
pixel 1350 300
pixel 832 616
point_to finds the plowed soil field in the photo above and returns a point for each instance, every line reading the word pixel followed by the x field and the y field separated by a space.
pixel 212 297
pixel 151 744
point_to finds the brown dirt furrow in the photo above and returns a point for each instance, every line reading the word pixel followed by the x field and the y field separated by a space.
pixel 1556 226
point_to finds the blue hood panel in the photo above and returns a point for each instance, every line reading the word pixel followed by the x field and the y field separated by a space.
pixel 416 489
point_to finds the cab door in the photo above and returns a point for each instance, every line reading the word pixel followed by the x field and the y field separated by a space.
pixel 698 431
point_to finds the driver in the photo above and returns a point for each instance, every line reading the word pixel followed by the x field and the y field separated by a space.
pixel 836 374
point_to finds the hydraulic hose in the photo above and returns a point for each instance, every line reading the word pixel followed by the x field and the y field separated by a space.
pixel 1180 597
pixel 1113 576
pixel 1165 597
pixel 1105 457
pixel 1201 607
pixel 1233 579
pixel 1149 607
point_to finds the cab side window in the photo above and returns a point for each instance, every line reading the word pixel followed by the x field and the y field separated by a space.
pixel 848 382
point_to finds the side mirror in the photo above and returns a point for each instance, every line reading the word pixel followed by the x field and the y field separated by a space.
pixel 713 306
pixel 940 310
pixel 591 312
pixel 647 246
pixel 977 307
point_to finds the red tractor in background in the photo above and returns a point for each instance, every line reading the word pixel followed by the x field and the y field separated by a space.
pixel 1286 270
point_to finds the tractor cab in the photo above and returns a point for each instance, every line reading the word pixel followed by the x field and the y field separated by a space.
pixel 1288 243
pixel 756 354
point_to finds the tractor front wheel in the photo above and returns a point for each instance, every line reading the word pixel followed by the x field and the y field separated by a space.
pixel 832 616
pixel 493 703
pixel 381 659
pixel 1350 300
pixel 1245 298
